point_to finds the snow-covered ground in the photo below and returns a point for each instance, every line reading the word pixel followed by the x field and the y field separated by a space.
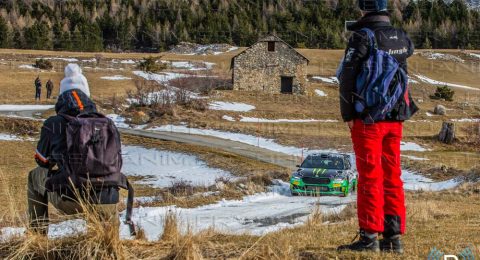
pixel 475 55
pixel 256 214
pixel 55 230
pixel 442 56
pixel 11 108
pixel 163 168
pixel 411 146
pixel 320 93
pixel 331 80
pixel 466 120
pixel 231 106
pixel 440 83
pixel 191 65
pixel 60 58
pixel 115 77
pixel 27 67
pixel 123 61
pixel 265 120
pixel 414 181
pixel 160 77
pixel 10 137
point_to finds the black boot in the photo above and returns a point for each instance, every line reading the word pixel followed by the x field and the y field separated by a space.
pixel 367 242
pixel 391 236
pixel 392 244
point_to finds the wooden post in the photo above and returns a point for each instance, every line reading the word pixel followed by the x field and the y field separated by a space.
pixel 447 133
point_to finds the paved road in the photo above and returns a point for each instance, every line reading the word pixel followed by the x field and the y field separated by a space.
pixel 241 149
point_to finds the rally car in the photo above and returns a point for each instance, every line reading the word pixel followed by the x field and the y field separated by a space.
pixel 324 174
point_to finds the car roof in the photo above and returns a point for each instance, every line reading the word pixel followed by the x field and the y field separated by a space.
pixel 329 155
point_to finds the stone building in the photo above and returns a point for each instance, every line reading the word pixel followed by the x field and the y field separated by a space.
pixel 270 65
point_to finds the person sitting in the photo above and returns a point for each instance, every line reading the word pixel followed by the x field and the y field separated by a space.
pixel 63 169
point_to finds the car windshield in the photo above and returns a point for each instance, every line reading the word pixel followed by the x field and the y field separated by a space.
pixel 334 163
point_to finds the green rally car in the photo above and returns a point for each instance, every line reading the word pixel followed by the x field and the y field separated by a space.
pixel 324 174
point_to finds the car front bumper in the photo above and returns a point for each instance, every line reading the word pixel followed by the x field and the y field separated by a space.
pixel 332 188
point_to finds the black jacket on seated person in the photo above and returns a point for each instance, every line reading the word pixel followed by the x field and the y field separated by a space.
pixel 53 145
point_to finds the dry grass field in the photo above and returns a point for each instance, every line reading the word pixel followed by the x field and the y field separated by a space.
pixel 446 220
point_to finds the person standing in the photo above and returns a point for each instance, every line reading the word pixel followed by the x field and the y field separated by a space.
pixel 49 87
pixel 38 88
pixel 380 196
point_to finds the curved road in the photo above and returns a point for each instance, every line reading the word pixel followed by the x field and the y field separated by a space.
pixel 245 150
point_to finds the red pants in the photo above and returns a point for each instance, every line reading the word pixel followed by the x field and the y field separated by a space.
pixel 380 196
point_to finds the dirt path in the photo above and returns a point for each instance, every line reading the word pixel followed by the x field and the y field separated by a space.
pixel 241 149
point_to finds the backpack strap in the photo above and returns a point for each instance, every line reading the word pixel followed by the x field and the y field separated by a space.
pixel 128 215
pixel 371 38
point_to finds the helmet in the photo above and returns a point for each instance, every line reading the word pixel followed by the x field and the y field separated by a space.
pixel 372 5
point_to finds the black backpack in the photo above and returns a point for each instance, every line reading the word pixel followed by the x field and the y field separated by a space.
pixel 94 156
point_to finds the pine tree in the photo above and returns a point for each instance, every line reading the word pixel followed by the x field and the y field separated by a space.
pixel 4 33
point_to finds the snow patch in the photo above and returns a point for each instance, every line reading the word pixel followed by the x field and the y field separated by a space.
pixel 466 120
pixel 192 66
pixel 264 120
pixel 436 82
pixel 411 146
pixel 163 168
pixel 330 80
pixel 231 106
pixel 228 118
pixel 475 55
pixel 60 58
pixel 123 61
pixel 27 67
pixel 441 56
pixel 160 77
pixel 256 214
pixel 63 229
pixel 11 108
pixel 320 93
pixel 115 77
pixel 414 181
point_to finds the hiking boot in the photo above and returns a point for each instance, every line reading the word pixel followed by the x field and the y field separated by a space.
pixel 392 244
pixel 367 242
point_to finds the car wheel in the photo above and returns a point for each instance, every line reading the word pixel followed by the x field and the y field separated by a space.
pixel 294 194
pixel 346 192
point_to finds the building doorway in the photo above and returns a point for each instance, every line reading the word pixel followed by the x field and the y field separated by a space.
pixel 287 85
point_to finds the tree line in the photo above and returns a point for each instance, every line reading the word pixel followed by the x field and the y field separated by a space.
pixel 155 25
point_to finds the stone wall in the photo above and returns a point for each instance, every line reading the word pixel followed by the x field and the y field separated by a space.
pixel 258 69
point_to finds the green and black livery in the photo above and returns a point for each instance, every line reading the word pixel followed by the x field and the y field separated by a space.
pixel 324 174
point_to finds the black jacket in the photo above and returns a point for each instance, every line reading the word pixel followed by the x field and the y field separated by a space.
pixel 392 40
pixel 53 144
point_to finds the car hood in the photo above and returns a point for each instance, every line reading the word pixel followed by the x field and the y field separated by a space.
pixel 319 172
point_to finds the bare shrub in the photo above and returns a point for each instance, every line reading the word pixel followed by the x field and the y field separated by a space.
pixel 203 85
pixel 181 188
pixel 43 64
pixel 146 93
pixel 151 64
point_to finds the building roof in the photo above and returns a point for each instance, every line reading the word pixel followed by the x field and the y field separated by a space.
pixel 270 38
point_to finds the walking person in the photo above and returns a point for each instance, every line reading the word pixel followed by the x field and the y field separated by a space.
pixel 375 119
pixel 38 88
pixel 64 168
pixel 49 87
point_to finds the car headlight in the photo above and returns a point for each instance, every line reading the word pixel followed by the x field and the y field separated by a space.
pixel 296 178
pixel 338 180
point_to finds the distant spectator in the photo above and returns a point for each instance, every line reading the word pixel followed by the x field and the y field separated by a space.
pixel 38 88
pixel 49 87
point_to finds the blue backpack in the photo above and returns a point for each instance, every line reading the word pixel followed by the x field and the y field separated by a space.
pixel 380 84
